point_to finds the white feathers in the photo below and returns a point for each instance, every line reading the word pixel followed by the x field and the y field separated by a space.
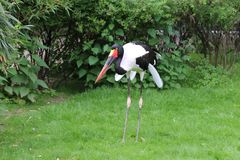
pixel 118 77
pixel 159 56
pixel 156 77
pixel 131 52
pixel 132 75
pixel 141 75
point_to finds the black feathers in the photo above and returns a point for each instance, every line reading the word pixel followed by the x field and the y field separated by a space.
pixel 144 60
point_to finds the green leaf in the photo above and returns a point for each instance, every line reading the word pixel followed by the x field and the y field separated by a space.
pixel 119 32
pixel 170 30
pixel 24 91
pixel 42 83
pixel 110 38
pixel 94 71
pixel 92 60
pixel 31 97
pixel 153 41
pixel 39 61
pixel 2 95
pixel 29 73
pixel 35 68
pixel 23 61
pixel 111 26
pixel 16 90
pixel 82 72
pixel 87 45
pixel 157 18
pixel 152 32
pixel 19 79
pixel 12 71
pixel 166 39
pixel 2 79
pixel 96 50
pixel 90 77
pixel 106 48
pixel 79 62
pixel 8 89
pixel 110 79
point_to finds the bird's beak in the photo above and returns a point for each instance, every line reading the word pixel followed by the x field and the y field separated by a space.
pixel 105 67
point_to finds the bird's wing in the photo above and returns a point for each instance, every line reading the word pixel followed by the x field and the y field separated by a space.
pixel 131 52
pixel 118 77
pixel 132 75
pixel 156 77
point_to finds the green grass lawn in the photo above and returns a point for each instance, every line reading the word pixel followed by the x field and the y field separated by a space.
pixel 182 124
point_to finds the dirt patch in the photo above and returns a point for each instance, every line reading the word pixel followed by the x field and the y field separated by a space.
pixel 57 99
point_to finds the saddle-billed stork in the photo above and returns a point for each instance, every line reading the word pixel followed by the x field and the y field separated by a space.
pixel 129 59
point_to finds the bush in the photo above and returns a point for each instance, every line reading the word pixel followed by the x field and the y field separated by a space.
pixel 18 72
pixel 204 74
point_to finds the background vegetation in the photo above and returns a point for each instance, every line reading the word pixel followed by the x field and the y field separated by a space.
pixel 46 43
pixel 62 45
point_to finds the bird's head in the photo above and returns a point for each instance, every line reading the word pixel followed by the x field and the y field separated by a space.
pixel 115 53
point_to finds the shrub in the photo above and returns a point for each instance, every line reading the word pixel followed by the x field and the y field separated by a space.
pixel 18 73
pixel 204 74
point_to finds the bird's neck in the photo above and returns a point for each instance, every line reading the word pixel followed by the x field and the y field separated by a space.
pixel 118 68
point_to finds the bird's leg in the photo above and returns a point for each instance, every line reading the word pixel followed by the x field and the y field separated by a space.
pixel 140 105
pixel 126 118
pixel 139 111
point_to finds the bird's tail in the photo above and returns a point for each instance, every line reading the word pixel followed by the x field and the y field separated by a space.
pixel 156 77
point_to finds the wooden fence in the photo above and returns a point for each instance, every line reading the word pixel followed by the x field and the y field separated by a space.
pixel 224 47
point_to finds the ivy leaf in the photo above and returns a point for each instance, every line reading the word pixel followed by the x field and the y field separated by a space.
pixel 166 39
pixel 8 89
pixel 39 61
pixel 94 71
pixel 110 38
pixel 79 62
pixel 111 26
pixel 152 32
pixel 96 50
pixel 16 90
pixel 110 79
pixel 42 83
pixel 82 72
pixel 87 45
pixel 119 32
pixel 92 60
pixel 31 97
pixel 106 48
pixel 24 91
pixel 90 77
pixel 153 41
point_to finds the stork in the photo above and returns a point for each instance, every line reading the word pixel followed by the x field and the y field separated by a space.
pixel 129 59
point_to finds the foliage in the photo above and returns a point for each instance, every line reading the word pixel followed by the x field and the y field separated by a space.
pixel 18 71
pixel 198 18
pixel 7 32
pixel 204 74
pixel 73 37
pixel 143 22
